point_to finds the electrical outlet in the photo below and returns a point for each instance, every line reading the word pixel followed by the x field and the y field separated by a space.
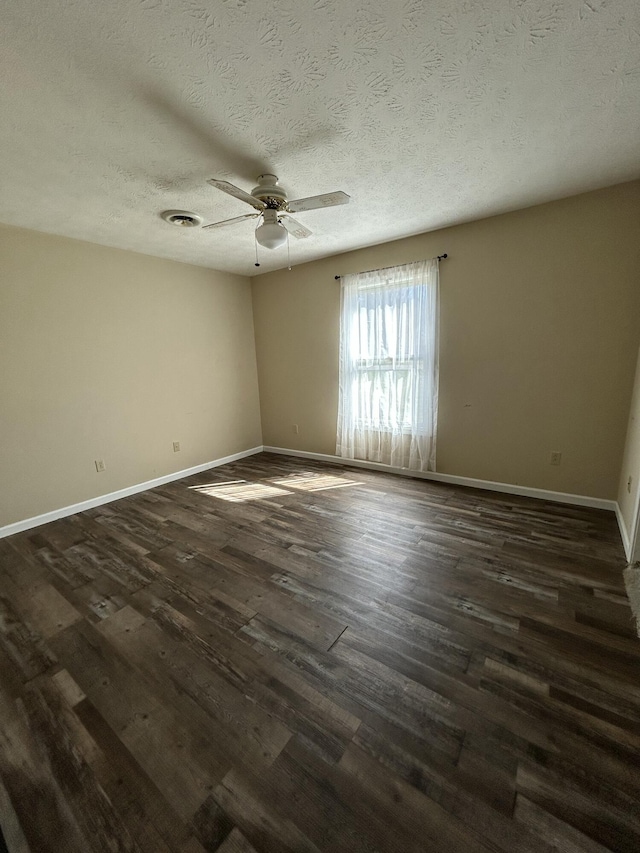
pixel 555 457
pixel 295 429
pixel 629 481
pixel 100 466
pixel 176 446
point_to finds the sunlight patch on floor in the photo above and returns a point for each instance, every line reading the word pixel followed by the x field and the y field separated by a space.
pixel 239 491
pixel 314 482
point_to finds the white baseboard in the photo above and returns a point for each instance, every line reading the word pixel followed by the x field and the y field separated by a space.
pixel 624 533
pixel 54 515
pixel 506 488
pixel 489 485
pixel 632 585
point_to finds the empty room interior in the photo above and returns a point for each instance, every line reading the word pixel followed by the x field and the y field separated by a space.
pixel 320 426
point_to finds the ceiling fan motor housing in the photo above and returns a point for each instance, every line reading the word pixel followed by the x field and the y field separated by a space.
pixel 268 191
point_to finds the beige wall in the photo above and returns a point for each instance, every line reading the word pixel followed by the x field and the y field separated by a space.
pixel 114 355
pixel 539 336
pixel 629 496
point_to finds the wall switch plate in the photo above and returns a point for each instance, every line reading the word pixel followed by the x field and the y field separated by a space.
pixel 555 457
pixel 100 466
pixel 176 446
pixel 295 429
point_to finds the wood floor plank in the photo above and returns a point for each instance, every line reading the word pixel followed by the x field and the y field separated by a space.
pixel 179 756
pixel 94 813
pixel 611 827
pixel 22 643
pixel 11 834
pixel 45 817
pixel 290 656
pixel 251 805
pixel 51 612
pixel 563 836
pixel 421 817
pixel 236 843
pixel 243 729
pixel 150 815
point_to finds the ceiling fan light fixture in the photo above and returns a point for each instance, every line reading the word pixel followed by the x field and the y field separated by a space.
pixel 271 234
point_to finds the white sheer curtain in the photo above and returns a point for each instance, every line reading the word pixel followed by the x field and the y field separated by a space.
pixel 388 403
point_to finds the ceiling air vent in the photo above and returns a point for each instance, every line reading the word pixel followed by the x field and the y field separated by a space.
pixel 182 218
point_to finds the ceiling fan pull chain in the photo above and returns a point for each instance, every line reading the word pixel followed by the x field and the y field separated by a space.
pixel 256 241
pixel 288 252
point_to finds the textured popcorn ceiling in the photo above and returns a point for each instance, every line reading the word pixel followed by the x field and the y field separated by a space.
pixel 425 113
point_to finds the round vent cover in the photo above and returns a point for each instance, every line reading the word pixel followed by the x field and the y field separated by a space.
pixel 183 218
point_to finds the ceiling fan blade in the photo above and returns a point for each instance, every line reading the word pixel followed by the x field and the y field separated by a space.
pixel 231 221
pixel 236 192
pixel 294 227
pixel 316 201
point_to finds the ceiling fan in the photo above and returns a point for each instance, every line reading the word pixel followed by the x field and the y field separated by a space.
pixel 270 200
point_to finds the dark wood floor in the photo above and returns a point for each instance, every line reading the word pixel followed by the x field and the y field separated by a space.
pixel 286 656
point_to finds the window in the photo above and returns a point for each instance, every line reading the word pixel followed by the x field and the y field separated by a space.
pixel 388 366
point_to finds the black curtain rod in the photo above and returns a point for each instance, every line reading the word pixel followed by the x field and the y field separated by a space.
pixel 381 269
